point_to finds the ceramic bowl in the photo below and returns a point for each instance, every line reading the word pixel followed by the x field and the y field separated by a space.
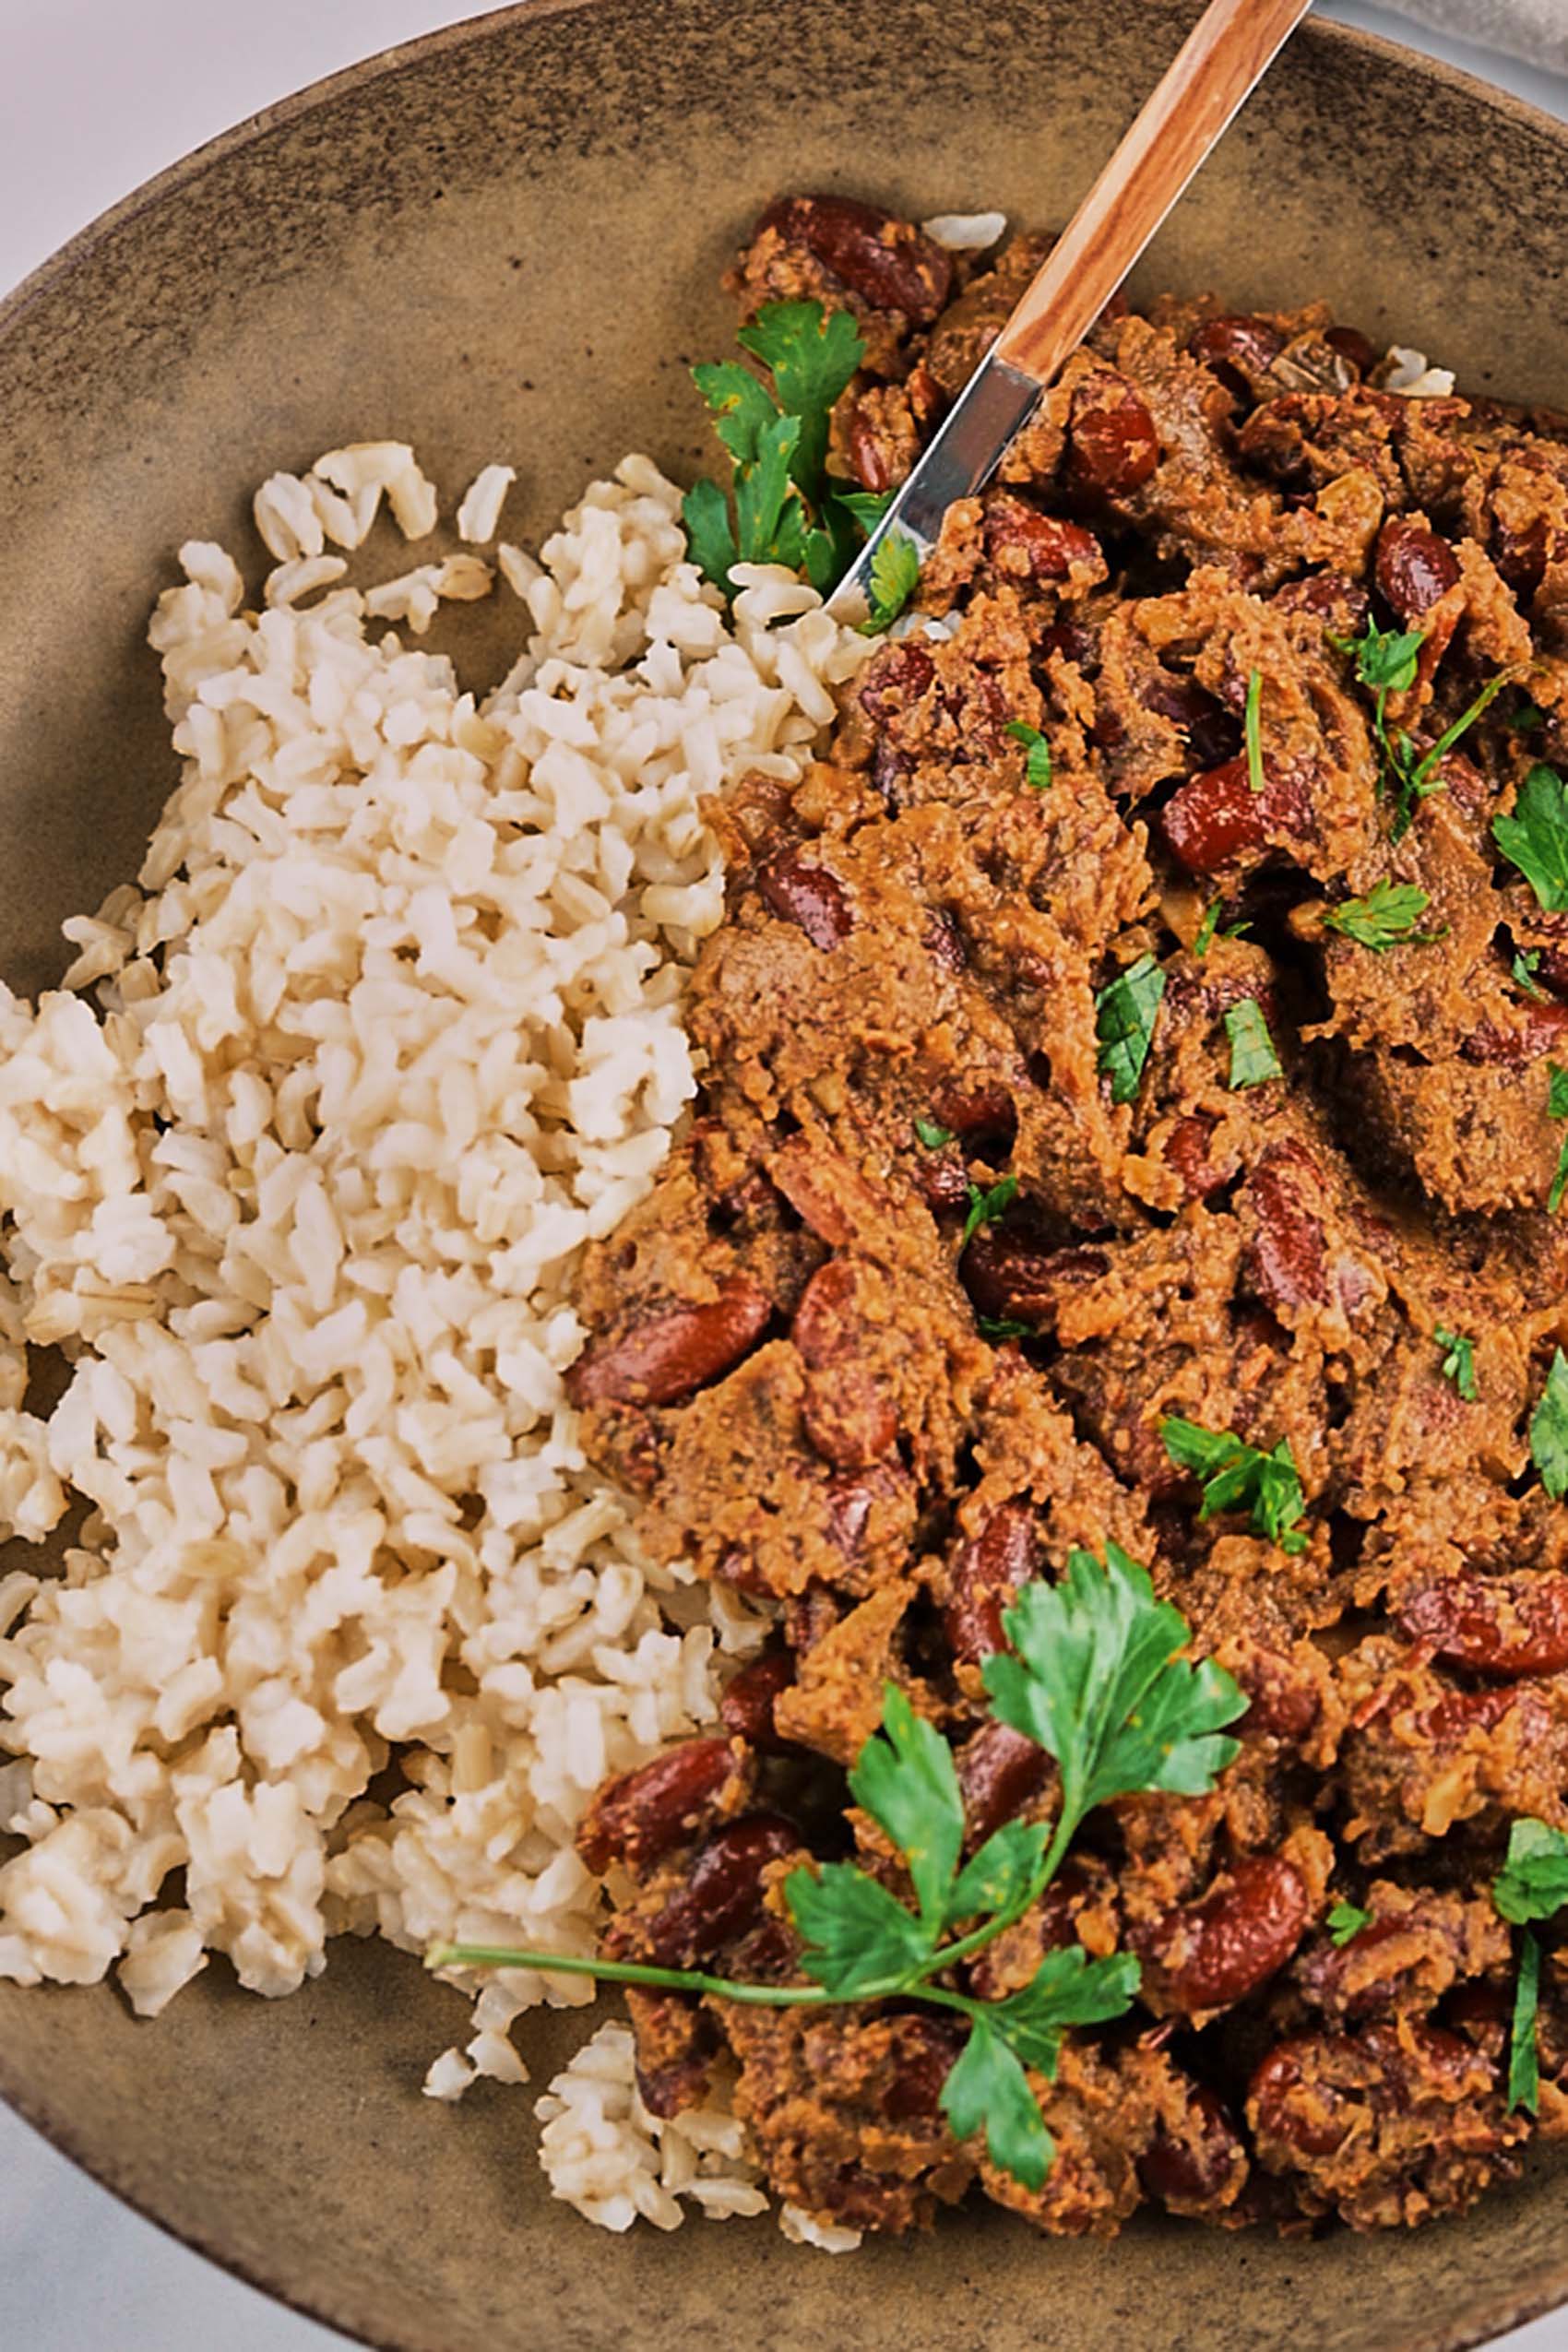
pixel 505 241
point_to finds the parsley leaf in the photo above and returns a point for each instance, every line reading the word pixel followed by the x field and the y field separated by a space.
pixel 856 1936
pixel 1529 717
pixel 1000 1873
pixel 1345 1921
pixel 1384 917
pixel 1533 1881
pixel 1253 1058
pixel 769 520
pixel 1549 1430
pixel 1525 966
pixel 933 1135
pixel 1002 1327
pixel 1386 658
pixel 1037 766
pixel 907 1780
pixel 1459 1363
pixel 985 1207
pixel 1126 1011
pixel 704 510
pixel 988 2086
pixel 1556 1108
pixel 810 357
pixel 1234 1475
pixel 738 405
pixel 867 506
pixel 1524 2062
pixel 894 577
pixel 1252 730
pixel 1535 838
pixel 1096 1679
pixel 1067 1989
pixel 1207 929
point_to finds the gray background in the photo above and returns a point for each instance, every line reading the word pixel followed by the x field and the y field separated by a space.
pixel 95 96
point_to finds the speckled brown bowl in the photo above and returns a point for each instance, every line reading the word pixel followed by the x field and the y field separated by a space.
pixel 505 241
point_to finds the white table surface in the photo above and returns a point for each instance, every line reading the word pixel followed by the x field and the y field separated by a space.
pixel 95 96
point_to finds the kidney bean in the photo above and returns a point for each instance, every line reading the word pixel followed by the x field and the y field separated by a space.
pixel 1193 2169
pixel 808 1617
pixel 984 1112
pixel 1520 555
pixel 1186 1150
pixel 1505 1625
pixel 1330 597
pixel 1028 545
pixel 1112 445
pixel 850 1500
pixel 1236 1937
pixel 1450 1721
pixel 1539 1028
pixel 746 1707
pixel 944 943
pixel 1413 569
pixel 943 1180
pixel 1071 640
pixel 1310 2117
pixel 723 1895
pixel 803 892
pixel 1216 819
pixel 896 677
pixel 999 1770
pixel 1286 1261
pixel 887 262
pixel 923 2055
pixel 1352 345
pixel 986 1575
pixel 1012 1278
pixel 1283 1704
pixel 1239 349
pixel 1213 735
pixel 849 1418
pixel 677 1351
pixel 641 1816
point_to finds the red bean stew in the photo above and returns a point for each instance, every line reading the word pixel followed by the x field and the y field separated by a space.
pixel 1135 1051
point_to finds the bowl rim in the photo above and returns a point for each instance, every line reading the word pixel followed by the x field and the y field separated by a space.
pixel 1498 2314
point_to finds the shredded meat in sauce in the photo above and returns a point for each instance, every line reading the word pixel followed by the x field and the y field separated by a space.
pixel 794 1362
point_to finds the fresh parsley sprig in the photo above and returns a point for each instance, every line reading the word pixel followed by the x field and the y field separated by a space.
pixel 1253 1057
pixel 1385 917
pixel 1549 1430
pixel 1531 1886
pixel 1535 838
pixel 1096 1678
pixel 787 509
pixel 1386 662
pixel 894 577
pixel 1345 1921
pixel 1526 965
pixel 1126 1011
pixel 1235 1476
pixel 1458 1362
pixel 985 1207
pixel 1037 762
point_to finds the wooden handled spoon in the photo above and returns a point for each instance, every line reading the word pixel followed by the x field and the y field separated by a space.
pixel 1222 61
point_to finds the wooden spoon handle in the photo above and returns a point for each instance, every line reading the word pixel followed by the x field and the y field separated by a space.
pixel 1227 54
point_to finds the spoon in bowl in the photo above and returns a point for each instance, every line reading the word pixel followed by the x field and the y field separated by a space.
pixel 1220 63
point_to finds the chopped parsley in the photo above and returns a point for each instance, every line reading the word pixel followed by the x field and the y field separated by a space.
pixel 1126 1011
pixel 1556 1108
pixel 1385 917
pixel 1526 965
pixel 930 1134
pixel 986 1208
pixel 1528 717
pixel 1549 1430
pixel 787 509
pixel 1386 662
pixel 1234 1475
pixel 1094 1675
pixel 1253 1058
pixel 1345 1921
pixel 894 577
pixel 1459 1360
pixel 1252 730
pixel 1002 1327
pixel 1036 766
pixel 1207 929
pixel 1535 838
pixel 1532 1885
